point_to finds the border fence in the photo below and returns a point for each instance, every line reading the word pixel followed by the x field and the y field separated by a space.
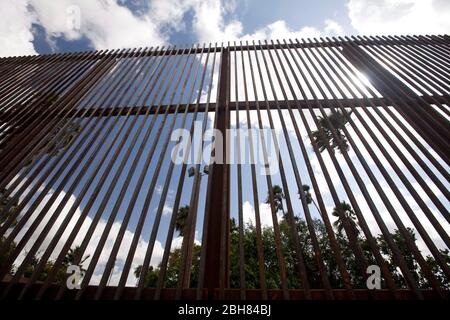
pixel 92 205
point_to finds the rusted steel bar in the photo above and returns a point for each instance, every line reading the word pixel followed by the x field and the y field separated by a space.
pixel 259 245
pixel 18 116
pixel 146 68
pixel 374 180
pixel 438 42
pixel 322 211
pixel 410 73
pixel 37 170
pixel 405 270
pixel 392 88
pixel 171 229
pixel 397 255
pixel 434 73
pixel 80 221
pixel 384 103
pixel 200 292
pixel 156 221
pixel 315 244
pixel 150 192
pixel 404 67
pixel 11 219
pixel 432 56
pixel 29 181
pixel 212 237
pixel 345 183
pixel 21 74
pixel 51 220
pixel 361 260
pixel 443 234
pixel 137 110
pixel 439 46
pixel 438 204
pixel 154 81
pixel 44 125
pixel 277 236
pixel 276 228
pixel 38 141
pixel 425 235
pixel 117 204
pixel 239 182
pixel 430 71
pixel 28 118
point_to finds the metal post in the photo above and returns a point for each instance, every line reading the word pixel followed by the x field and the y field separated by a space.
pixel 218 210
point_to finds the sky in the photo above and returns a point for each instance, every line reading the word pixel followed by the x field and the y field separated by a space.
pixel 40 27
pixel 48 26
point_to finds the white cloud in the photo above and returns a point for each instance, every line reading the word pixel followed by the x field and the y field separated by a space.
pixel 209 25
pixel 105 23
pixel 170 12
pixel 167 209
pixel 332 28
pixel 16 28
pixel 399 16
pixel 280 30
pixel 264 212
pixel 108 24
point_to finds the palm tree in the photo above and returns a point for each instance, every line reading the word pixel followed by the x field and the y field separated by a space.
pixel 138 271
pixel 278 197
pixel 338 120
pixel 309 198
pixel 180 223
pixel 348 219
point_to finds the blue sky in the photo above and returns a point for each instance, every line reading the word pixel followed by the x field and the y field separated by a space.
pixel 45 26
pixel 39 26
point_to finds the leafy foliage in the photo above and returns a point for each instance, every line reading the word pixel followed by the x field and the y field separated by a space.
pixel 278 197
pixel 338 120
pixel 181 220
pixel 72 256
pixel 271 268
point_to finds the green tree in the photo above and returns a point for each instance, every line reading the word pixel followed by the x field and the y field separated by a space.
pixel 181 220
pixel 30 269
pixel 308 196
pixel 151 278
pixel 173 267
pixel 9 251
pixel 271 268
pixel 347 219
pixel 278 197
pixel 338 120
